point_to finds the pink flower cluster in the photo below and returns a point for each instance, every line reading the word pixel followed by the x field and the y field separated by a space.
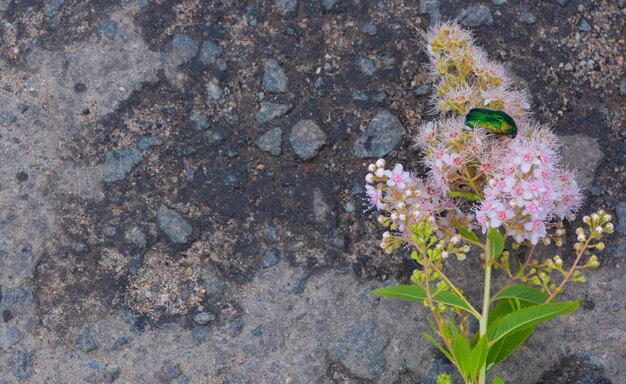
pixel 527 189
pixel 476 177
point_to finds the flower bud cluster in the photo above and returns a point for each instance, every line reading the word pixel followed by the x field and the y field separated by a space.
pixel 403 201
pixel 466 78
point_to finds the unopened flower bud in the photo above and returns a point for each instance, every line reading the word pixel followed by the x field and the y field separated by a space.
pixel 371 167
pixel 582 237
pixel 380 172
pixel 401 205
pixel 455 240
pixel 559 232
pixel 369 178
pixel 586 219
pixel 402 217
pixel 558 242
pixel 600 246
pixel 386 235
pixel 599 230
pixel 601 212
pixel 380 163
pixel 608 228
pixel 394 216
pixel 595 217
pixel 558 260
pixel 444 254
pixel 461 256
pixel 580 231
pixel 546 241
pixel 571 217
pixel 382 245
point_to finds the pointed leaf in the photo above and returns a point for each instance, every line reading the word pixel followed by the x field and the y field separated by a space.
pixel 439 346
pixel 417 293
pixel 462 354
pixel 469 235
pixel 497 380
pixel 495 243
pixel 478 358
pixel 528 317
pixel 506 346
pixel 522 292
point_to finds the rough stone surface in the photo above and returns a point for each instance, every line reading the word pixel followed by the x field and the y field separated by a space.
pixel 274 78
pixel 476 16
pixel 271 141
pixel 120 163
pixel 526 16
pixel 270 111
pixel 306 139
pixel 286 6
pixel 184 46
pixel 382 135
pixel 209 52
pixel 585 166
pixel 175 227
pixel 73 91
pixel 620 212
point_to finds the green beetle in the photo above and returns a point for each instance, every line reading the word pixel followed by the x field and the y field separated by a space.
pixel 497 122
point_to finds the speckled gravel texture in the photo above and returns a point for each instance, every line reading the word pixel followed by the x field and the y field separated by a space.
pixel 181 186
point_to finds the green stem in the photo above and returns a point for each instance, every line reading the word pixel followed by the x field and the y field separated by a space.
pixel 485 315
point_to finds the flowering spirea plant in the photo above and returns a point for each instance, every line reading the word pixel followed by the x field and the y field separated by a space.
pixel 488 183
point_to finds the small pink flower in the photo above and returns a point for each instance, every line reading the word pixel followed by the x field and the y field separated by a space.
pixel 397 177
pixel 375 196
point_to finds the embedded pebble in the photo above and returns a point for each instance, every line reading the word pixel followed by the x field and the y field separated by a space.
pixel 476 16
pixel 382 135
pixel 137 237
pixel 270 111
pixel 118 164
pixel 368 66
pixel 184 47
pixel 369 29
pixel 85 342
pixel 307 139
pixel 584 26
pixel 175 227
pixel 286 6
pixel 209 52
pixel 271 141
pixel 203 318
pixel 270 258
pixel 274 79
pixel 526 16
pixel 109 29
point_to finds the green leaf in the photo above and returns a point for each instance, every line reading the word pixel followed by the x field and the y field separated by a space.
pixel 439 346
pixel 467 195
pixel 528 317
pixel 469 235
pixel 523 293
pixel 417 293
pixel 497 380
pixel 495 243
pixel 506 346
pixel 478 358
pixel 462 354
